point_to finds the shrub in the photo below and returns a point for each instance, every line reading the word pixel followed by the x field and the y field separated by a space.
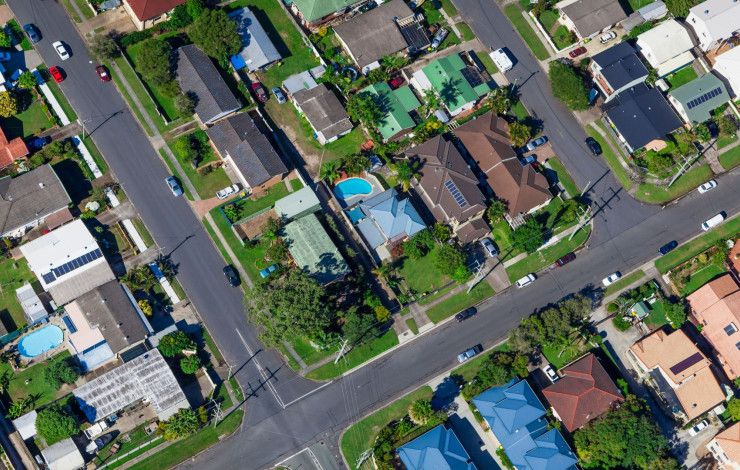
pixel 568 86
pixel 135 37
pixel 621 324
pixel 612 307
pixel 54 424
pixel 60 372
pixel 420 412
pixel 190 364
pixel 145 307
pixel 182 423
pixel 174 343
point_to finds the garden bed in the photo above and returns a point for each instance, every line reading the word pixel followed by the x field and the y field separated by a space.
pixel 698 270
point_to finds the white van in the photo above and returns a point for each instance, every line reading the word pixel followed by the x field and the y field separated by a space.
pixel 501 60
pixel 713 222
pixel 525 281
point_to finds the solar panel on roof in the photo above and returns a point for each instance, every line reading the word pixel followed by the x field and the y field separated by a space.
pixel 456 194
pixel 48 277
pixel 703 98
pixel 78 262
pixel 472 76
pixel 686 363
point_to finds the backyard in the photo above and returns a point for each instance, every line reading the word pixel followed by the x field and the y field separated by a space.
pixel 13 274
pixel 208 177
pixel 681 77
pixel 30 382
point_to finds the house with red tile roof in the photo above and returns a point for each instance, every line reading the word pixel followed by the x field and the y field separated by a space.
pixel 583 393
pixel 725 447
pixel 11 150
pixel 146 13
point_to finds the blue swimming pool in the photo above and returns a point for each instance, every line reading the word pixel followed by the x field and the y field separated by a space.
pixel 352 187
pixel 37 343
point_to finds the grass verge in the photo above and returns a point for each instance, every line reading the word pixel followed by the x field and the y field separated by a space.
pixel 411 324
pixel 459 301
pixel 564 177
pixel 612 159
pixel 687 182
pixel 688 250
pixel 624 282
pixel 143 232
pixel 546 257
pixel 465 31
pixel 730 159
pixel 516 16
pixel 355 357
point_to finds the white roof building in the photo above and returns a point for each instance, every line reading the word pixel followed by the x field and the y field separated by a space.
pixel 26 425
pixel 666 47
pixel 714 21
pixel 728 66
pixel 68 262
pixel 64 455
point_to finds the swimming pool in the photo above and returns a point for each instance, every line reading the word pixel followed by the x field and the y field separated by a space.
pixel 352 187
pixel 40 341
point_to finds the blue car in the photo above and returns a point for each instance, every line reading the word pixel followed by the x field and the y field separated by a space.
pixel 268 270
pixel 670 246
pixel 33 33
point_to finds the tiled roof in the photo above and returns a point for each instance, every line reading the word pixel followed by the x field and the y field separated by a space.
pixel 148 9
pixel 729 440
pixel 323 110
pixel 437 449
pixel 12 150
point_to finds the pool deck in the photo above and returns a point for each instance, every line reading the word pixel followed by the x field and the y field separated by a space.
pixel 377 188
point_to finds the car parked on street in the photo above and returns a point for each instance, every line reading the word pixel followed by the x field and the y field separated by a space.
pixel 525 281
pixel 490 248
pixel 576 52
pixel 501 60
pixel 32 31
pixel 174 186
pixel 279 95
pixel 227 191
pixel 61 49
pixel 468 353
pixel 56 74
pixel 607 37
pixel 699 427
pixel 668 247
pixel 611 278
pixel 708 186
pixel 231 275
pixel 593 146
pixel 465 314
pixel 259 92
pixel 550 373
pixel 713 222
pixel 565 259
pixel 102 73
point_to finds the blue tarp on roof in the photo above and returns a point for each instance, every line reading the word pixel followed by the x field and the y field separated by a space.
pixel 258 50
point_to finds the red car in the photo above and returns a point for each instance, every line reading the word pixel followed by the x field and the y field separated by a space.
pixel 396 82
pixel 565 259
pixel 103 73
pixel 576 52
pixel 56 74
pixel 259 92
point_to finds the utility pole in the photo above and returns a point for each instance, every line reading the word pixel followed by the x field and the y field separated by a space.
pixel 341 351
pixel 687 161
pixel 218 413
pixel 583 219
pixel 228 376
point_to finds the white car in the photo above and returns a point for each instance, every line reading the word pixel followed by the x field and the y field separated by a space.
pixel 490 248
pixel 61 50
pixel 501 59
pixel 227 191
pixel 607 37
pixel 708 186
pixel 550 373
pixel 525 281
pixel 713 222
pixel 611 278
pixel 700 426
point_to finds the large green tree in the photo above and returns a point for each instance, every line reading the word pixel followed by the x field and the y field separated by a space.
pixel 104 47
pixel 174 343
pixel 450 261
pixel 54 424
pixel 154 63
pixel 60 372
pixel 568 85
pixel 362 107
pixel 357 326
pixel 182 423
pixel 8 104
pixel 216 34
pixel 529 236
pixel 520 133
pixel 407 170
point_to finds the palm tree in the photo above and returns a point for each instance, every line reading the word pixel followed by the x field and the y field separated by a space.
pixel 520 133
pixel 355 163
pixel 407 170
pixel 432 102
pixel 330 170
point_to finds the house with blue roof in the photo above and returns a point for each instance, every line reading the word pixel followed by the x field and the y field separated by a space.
pixel 437 449
pixel 517 419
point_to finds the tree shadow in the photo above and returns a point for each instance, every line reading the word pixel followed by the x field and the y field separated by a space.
pixel 73 178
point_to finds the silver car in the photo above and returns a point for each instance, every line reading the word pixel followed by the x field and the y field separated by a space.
pixel 490 248
pixel 468 353
pixel 174 186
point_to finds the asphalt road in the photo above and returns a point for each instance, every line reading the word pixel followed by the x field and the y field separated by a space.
pixel 274 427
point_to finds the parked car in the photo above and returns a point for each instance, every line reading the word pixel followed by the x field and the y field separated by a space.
pixel 61 49
pixel 550 373
pixel 565 259
pixel 670 246
pixel 439 37
pixel 231 275
pixel 501 60
pixel 32 31
pixel 102 73
pixel 468 353
pixel 538 142
pixel 173 185
pixel 708 186
pixel 529 159
pixel 227 191
pixel 607 37
pixel 576 52
pixel 611 278
pixel 396 82
pixel 525 281
pixel 259 92
pixel 465 314
pixel 56 74
pixel 699 427
pixel 713 222
pixel 39 142
pixel 490 248
pixel 368 6
pixel 593 146
pixel 268 270
pixel 279 95
pixel 5 56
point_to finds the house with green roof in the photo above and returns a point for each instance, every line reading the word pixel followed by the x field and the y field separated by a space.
pixel 457 84
pixel 313 251
pixel 396 106
pixel 696 100
pixel 314 13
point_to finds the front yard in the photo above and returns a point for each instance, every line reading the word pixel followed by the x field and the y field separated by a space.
pixel 208 177
pixel 560 35
pixel 655 194
pixel 728 229
pixel 730 159
pixel 460 301
pixel 547 256
pixel 13 274
pixel 33 118
pixel 698 270
pixel 421 275
pixel 355 357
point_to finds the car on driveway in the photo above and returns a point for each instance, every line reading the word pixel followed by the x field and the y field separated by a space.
pixel 565 259
pixel 668 247
pixel 56 74
pixel 490 248
pixel 468 353
pixel 231 275
pixel 396 82
pixel 525 281
pixel 439 36
pixel 173 185
pixel 699 427
pixel 550 373
pixel 61 49
pixel 102 73
pixel 227 191
pixel 279 95
pixel 708 186
pixel 32 31
pixel 611 278
pixel 593 146
pixel 465 314
pixel 538 142
pixel 576 52
pixel 259 92
pixel 607 37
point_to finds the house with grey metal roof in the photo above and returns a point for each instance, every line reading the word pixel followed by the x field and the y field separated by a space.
pixel 696 100
pixel 26 425
pixel 27 200
pixel 324 113
pixel 246 149
pixel 64 455
pixel 587 18
pixel 33 308
pixel 258 52
pixel 617 69
pixel 313 250
pixel 297 204
pixel 197 76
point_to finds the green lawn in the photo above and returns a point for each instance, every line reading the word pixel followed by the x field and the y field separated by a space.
pixel 487 62
pixel 431 297
pixel 460 301
pixel 448 7
pixel 72 12
pixel 624 282
pixel 355 357
pixel 546 257
pixel 96 155
pixel 501 232
pixel 343 146
pixel 216 241
pixel 548 18
pixel 724 140
pixel 138 436
pixel 637 4
pixel 519 110
pixel 411 325
pixel 148 105
pixel 13 274
pixel 702 276
pixel 308 353
pixel 682 77
pixel 687 182
pixel 515 15
pixel 36 386
pixel 730 159
pixel 683 253
pixel 465 31
pixel 205 184
pixel 251 205
pixel 143 232
pixel 657 317
pixel 84 7
pixel 561 356
pixel 360 436
pixel 611 158
pixel 564 177
pixel 421 275
pixel 29 122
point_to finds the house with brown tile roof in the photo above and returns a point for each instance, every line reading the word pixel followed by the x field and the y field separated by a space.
pixel 681 374
pixel 488 143
pixel 583 393
pixel 716 306
pixel 449 188
pixel 11 150
pixel 146 13
pixel 725 447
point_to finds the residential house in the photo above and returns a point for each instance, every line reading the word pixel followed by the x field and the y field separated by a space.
pixel 666 47
pixel 146 378
pixel 313 250
pixel 103 324
pixel 396 106
pixel 727 65
pixel 11 150
pixel 459 85
pixel 517 419
pixel 258 51
pixel 716 307
pixel 584 393
pixel 67 262
pixel 449 188
pixel 369 37
pixel 198 76
pixel 314 13
pixel 324 113
pixel 246 149
pixel 641 117
pixel 297 204
pixel 488 143
pixel 26 425
pixel 63 455
pixel 714 21
pixel 33 308
pixel 587 18
pixel 725 448
pixel 696 100
pixel 385 220
pixel 678 371
pixel 146 13
pixel 31 199
pixel 437 449
pixel 617 69
pixel 303 80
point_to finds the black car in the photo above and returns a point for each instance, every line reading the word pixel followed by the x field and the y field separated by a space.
pixel 32 32
pixel 593 146
pixel 467 313
pixel 670 246
pixel 232 276
pixel 565 259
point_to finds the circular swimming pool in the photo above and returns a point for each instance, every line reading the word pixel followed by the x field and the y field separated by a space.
pixel 37 343
pixel 352 187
